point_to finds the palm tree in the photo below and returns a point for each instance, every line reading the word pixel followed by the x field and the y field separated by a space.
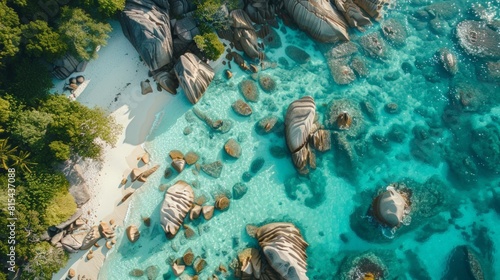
pixel 6 153
pixel 22 161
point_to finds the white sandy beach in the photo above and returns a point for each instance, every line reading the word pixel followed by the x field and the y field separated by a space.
pixel 114 86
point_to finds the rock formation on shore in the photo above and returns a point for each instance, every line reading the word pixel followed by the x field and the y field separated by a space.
pixel 319 19
pixel 179 199
pixel 284 250
pixel 194 76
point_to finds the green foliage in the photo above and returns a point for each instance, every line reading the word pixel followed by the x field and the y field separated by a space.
pixel 45 261
pixel 40 188
pixel 60 150
pixel 212 13
pixel 28 128
pixel 210 45
pixel 109 7
pixel 60 209
pixel 42 41
pixel 31 82
pixel 82 33
pixel 10 31
pixel 7 153
pixel 78 126
pixel 4 113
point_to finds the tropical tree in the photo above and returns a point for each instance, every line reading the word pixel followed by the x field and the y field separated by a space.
pixel 22 161
pixel 31 82
pixel 42 41
pixel 82 33
pixel 210 45
pixel 7 153
pixel 10 31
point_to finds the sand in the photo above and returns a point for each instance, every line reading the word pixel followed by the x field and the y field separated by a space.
pixel 115 87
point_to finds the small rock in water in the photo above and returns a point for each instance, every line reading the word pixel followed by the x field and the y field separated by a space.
pixel 267 83
pixel 199 265
pixel 391 108
pixel 241 108
pixel 249 90
pixel 188 232
pixel 168 173
pixel 147 221
pixel 229 74
pixel 175 154
pixel 146 88
pixel 213 169
pixel 222 202
pixel 191 157
pixel 298 55
pixel 391 76
pixel 257 164
pixel 232 148
pixel 187 130
pixel 152 272
pixel 266 124
pixel 246 177
pixel 188 257
pixel 239 190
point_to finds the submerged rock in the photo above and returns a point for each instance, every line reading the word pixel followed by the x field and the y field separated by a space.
pixel 249 90
pixel 241 108
pixel 239 190
pixel 448 60
pixel 267 83
pixel 478 39
pixel 194 76
pixel 232 148
pixel 464 264
pixel 213 169
pixel 319 19
pixel 266 125
pixel 394 32
pixel 298 55
pixel 178 201
pixel 373 45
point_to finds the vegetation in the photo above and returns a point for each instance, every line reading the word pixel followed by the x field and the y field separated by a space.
pixel 60 209
pixel 210 45
pixel 39 130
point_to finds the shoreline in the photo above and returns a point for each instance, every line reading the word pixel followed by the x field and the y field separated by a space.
pixel 114 87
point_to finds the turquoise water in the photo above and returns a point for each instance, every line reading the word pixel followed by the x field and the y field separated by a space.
pixel 329 206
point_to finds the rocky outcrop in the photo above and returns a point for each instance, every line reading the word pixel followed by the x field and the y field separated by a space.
pixel 194 76
pixel 478 39
pixel 448 60
pixel 299 122
pixel 244 34
pixel 284 248
pixel 147 26
pixel 73 242
pixel 181 7
pixel 388 207
pixel 63 67
pixel 352 13
pixel 260 11
pixel 91 238
pixel 178 201
pixel 373 7
pixel 319 19
pixel 185 29
pixel 394 32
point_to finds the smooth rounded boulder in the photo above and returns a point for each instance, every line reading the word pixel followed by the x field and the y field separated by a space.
pixel 179 199
pixel 388 208
pixel 194 76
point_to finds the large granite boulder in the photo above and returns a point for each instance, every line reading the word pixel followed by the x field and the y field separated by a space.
pixel 373 7
pixel 194 76
pixel 146 24
pixel 284 248
pixel 181 7
pixel 319 19
pixel 352 13
pixel 91 238
pixel 186 29
pixel 299 124
pixel 179 199
pixel 73 242
pixel 63 67
pixel 260 11
pixel 389 207
pixel 478 39
pixel 244 34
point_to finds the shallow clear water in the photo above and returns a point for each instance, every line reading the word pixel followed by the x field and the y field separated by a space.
pixel 323 203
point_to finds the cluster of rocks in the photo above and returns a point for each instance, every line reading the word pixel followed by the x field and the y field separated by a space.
pixel 188 259
pixel 180 202
pixel 63 67
pixel 147 25
pixel 302 132
pixel 282 255
pixel 74 234
pixel 151 272
pixel 74 82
